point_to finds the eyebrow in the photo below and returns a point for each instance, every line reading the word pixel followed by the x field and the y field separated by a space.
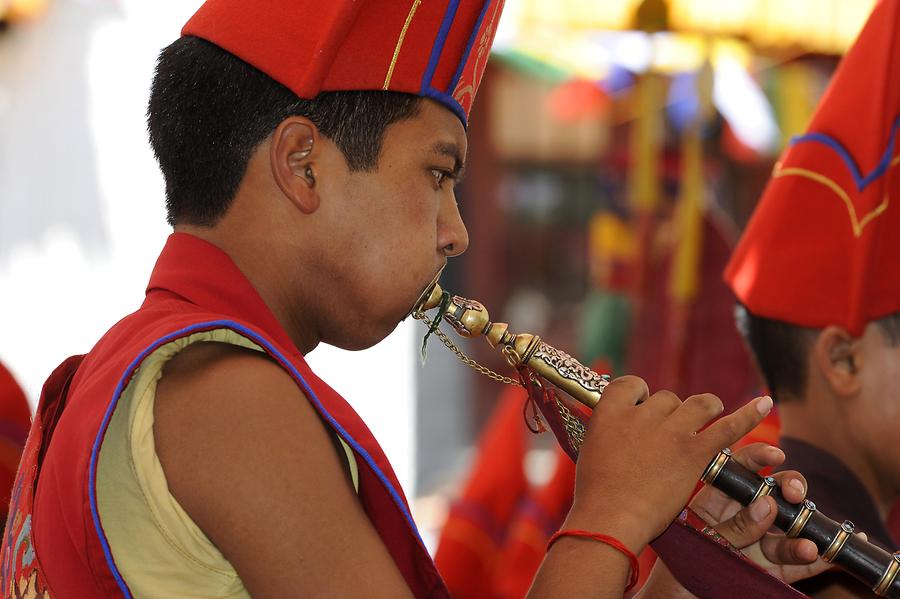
pixel 451 150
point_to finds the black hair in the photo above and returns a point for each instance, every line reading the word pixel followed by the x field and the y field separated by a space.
pixel 890 326
pixel 781 349
pixel 210 110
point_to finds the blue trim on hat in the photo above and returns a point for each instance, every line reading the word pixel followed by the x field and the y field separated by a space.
pixel 438 46
pixel 465 56
pixel 448 101
pixel 285 363
pixel 427 89
pixel 861 181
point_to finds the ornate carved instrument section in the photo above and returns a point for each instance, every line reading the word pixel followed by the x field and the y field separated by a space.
pixel 470 319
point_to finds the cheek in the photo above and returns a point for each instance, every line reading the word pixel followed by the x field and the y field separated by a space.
pixel 877 420
pixel 394 264
pixel 412 229
pixel 882 384
pixel 397 232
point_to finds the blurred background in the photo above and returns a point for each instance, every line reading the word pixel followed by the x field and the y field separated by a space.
pixel 616 149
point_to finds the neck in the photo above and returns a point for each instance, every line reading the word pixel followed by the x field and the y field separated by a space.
pixel 812 419
pixel 267 279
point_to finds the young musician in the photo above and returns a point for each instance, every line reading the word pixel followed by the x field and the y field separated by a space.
pixel 816 274
pixel 310 151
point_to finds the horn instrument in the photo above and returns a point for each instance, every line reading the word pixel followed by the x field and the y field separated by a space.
pixel 528 354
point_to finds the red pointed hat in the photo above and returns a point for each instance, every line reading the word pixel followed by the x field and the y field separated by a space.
pixel 823 246
pixel 432 48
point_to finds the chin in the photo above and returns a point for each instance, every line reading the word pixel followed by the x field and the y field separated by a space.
pixel 360 340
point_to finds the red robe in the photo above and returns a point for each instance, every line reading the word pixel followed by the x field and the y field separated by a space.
pixel 54 539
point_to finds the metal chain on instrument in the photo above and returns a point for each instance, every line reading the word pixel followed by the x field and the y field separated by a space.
pixel 463 357
pixel 575 429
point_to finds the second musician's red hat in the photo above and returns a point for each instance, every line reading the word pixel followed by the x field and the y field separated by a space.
pixel 823 246
pixel 434 48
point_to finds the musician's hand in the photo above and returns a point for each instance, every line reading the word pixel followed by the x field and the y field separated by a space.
pixel 643 455
pixel 747 528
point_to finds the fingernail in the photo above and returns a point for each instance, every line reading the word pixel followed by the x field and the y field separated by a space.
pixel 795 483
pixel 759 510
pixel 764 405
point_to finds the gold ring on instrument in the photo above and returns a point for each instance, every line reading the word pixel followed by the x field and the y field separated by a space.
pixel 806 510
pixel 837 543
pixel 511 355
pixel 712 471
pixel 890 573
pixel 531 349
pixel 765 487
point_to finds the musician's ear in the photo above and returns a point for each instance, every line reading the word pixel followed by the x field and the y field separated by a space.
pixel 836 355
pixel 293 155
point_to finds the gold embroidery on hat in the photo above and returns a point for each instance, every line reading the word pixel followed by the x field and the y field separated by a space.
pixel 483 46
pixel 855 222
pixel 400 40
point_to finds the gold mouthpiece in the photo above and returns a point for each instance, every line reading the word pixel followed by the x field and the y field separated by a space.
pixel 470 319
pixel 430 298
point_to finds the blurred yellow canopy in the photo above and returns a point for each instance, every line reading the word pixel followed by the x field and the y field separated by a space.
pixel 20 10
pixel 824 26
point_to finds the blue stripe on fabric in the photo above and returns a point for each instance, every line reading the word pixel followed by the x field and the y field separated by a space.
pixel 95 452
pixel 480 516
pixel 256 338
pixel 438 46
pixel 539 516
pixel 465 57
pixel 861 181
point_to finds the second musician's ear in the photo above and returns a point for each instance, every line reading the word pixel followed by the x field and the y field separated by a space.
pixel 293 154
pixel 836 355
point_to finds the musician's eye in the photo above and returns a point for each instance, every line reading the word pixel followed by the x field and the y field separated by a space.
pixel 442 176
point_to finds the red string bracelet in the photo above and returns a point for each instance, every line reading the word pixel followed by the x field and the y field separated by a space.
pixel 606 540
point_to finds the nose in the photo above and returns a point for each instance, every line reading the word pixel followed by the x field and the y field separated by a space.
pixel 453 238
